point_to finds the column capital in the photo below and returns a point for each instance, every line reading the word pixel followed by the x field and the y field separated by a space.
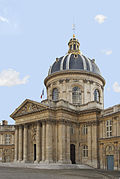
pixel 25 125
pixel 43 122
pixel 20 126
pixel 39 123
pixel 49 122
pixel 16 126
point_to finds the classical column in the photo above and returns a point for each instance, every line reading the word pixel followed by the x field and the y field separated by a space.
pixel 38 143
pixel 61 143
pixel 43 141
pixel 49 157
pixel 56 143
pixel 25 143
pixel 68 144
pixel 77 145
pixel 16 143
pixel 20 143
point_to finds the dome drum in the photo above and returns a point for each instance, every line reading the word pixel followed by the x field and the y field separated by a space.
pixel 75 71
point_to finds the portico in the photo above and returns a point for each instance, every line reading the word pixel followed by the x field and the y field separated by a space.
pixel 41 141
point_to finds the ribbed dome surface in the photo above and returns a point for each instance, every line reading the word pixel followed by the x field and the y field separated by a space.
pixel 74 62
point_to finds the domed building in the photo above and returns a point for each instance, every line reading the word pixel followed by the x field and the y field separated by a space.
pixel 75 78
pixel 71 126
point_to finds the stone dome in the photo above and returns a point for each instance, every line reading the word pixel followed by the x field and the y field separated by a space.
pixel 74 60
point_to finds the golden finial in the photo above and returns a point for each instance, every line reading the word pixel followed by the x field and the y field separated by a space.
pixel 73 35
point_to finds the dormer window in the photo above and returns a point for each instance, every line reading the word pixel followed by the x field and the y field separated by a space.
pixel 55 94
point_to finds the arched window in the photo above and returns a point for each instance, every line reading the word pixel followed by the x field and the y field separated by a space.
pixel 55 95
pixel 76 95
pixel 85 151
pixel 96 95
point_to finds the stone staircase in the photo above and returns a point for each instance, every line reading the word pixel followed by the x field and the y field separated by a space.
pixel 45 166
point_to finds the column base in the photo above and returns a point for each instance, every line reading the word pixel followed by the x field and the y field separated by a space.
pixel 19 161
pixel 68 162
pixel 63 162
pixel 48 161
pixel 24 161
pixel 16 161
pixel 36 161
pixel 42 161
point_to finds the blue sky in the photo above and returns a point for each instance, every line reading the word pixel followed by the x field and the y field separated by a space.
pixel 34 32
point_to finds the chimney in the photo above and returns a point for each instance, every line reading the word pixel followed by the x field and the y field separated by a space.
pixel 4 122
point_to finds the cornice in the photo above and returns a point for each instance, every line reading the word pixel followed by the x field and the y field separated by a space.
pixel 74 72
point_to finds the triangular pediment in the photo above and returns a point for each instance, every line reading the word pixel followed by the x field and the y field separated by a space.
pixel 27 107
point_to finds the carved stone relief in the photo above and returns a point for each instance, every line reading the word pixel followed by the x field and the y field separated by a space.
pixel 29 108
pixel 33 132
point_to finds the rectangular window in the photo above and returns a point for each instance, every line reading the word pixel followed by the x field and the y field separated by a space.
pixel 71 130
pixel 109 128
pixel 7 139
pixel 85 151
pixel 85 129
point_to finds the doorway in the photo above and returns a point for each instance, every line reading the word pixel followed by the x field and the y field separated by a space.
pixel 34 152
pixel 72 153
pixel 110 162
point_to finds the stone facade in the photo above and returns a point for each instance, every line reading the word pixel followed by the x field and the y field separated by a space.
pixel 71 125
pixel 59 133
pixel 7 133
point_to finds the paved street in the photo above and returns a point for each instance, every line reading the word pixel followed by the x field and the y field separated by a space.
pixel 23 173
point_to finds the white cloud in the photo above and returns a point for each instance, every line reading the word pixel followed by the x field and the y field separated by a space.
pixel 107 52
pixel 116 87
pixel 100 18
pixel 3 19
pixel 11 77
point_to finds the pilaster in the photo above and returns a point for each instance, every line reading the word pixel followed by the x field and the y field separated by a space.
pixel 16 143
pixel 68 144
pixel 38 147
